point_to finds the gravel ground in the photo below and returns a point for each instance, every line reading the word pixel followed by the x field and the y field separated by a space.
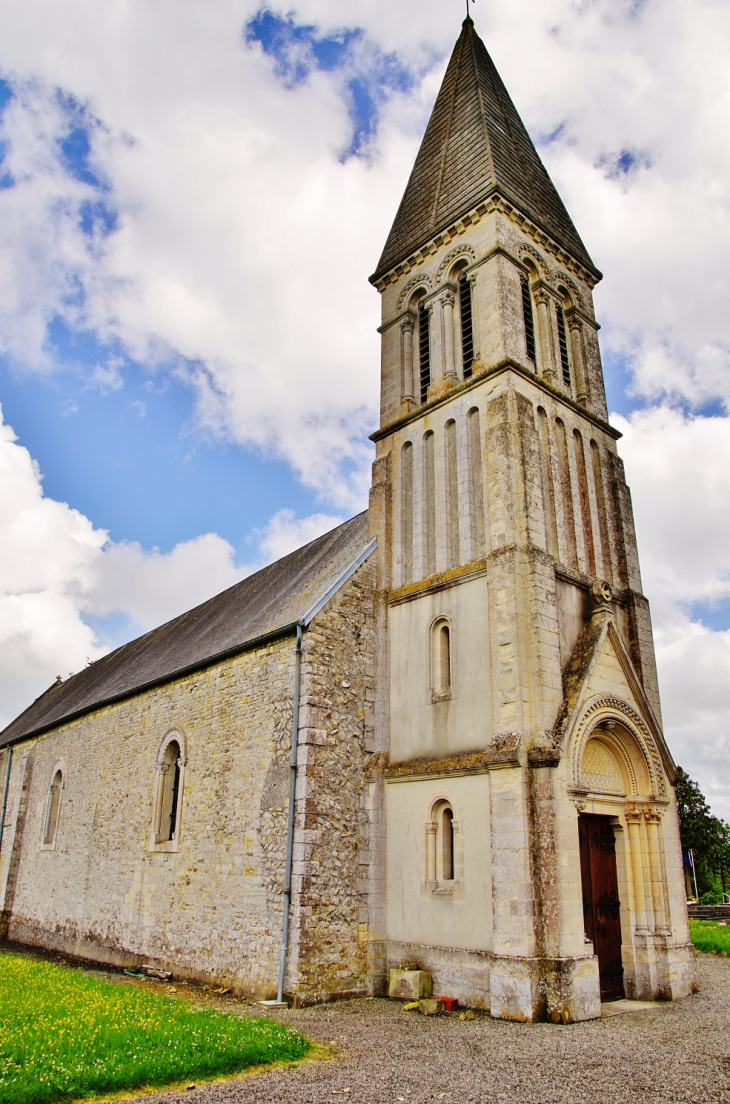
pixel 379 1054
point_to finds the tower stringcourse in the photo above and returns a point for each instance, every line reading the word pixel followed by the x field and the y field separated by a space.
pixel 529 825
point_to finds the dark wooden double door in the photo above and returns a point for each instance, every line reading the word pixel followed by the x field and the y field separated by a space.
pixel 601 904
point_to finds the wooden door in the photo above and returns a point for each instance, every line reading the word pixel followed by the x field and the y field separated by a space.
pixel 601 904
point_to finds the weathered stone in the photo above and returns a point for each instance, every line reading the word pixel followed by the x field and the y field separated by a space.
pixel 409 985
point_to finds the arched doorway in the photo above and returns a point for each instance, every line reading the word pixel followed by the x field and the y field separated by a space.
pixel 620 792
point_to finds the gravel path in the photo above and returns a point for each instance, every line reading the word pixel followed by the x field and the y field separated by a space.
pixel 383 1055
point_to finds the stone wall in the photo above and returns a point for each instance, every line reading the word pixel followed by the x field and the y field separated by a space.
pixel 209 906
pixel 329 951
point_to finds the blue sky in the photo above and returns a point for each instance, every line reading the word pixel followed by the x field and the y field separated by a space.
pixel 191 200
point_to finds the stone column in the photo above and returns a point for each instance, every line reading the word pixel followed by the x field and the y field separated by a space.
pixel 653 819
pixel 576 340
pixel 545 335
pixel 633 819
pixel 407 327
pixel 431 853
pixel 472 278
pixel 447 305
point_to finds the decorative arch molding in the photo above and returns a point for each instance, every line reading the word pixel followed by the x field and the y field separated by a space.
pixel 463 250
pixel 59 765
pixel 176 735
pixel 537 258
pixel 596 712
pixel 563 278
pixel 408 288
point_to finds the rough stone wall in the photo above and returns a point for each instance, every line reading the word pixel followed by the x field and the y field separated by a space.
pixel 329 950
pixel 213 907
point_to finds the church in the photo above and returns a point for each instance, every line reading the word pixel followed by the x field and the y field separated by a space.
pixel 430 739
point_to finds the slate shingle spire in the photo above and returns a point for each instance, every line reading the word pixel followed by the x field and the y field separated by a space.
pixel 475 145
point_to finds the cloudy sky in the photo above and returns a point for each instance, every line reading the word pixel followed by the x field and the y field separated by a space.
pixel 192 195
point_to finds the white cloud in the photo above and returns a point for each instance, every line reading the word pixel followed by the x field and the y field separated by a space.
pixel 285 532
pixel 677 467
pixel 56 569
pixel 243 246
pixel 152 586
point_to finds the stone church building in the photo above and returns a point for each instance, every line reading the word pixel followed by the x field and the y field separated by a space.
pixel 458 687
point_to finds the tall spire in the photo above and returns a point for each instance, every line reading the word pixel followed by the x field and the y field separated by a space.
pixel 475 145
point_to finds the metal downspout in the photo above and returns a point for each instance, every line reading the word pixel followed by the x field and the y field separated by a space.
pixel 5 794
pixel 290 824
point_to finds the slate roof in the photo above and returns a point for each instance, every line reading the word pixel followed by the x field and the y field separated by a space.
pixel 475 145
pixel 272 600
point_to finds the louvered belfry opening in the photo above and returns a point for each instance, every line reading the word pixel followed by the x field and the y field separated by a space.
pixel 529 321
pixel 563 343
pixel 475 145
pixel 424 350
pixel 467 329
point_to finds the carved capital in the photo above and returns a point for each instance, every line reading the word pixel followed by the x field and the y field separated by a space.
pixel 447 298
pixel 408 324
pixel 431 828
pixel 633 814
pixel 652 815
pixel 601 596
pixel 580 800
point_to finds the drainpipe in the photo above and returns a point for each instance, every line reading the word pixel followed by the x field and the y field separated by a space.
pixel 5 793
pixel 290 824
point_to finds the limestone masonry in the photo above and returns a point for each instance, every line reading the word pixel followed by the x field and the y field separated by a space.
pixel 482 788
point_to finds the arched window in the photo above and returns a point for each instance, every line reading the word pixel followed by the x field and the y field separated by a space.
pixel 467 327
pixel 424 349
pixel 441 658
pixel 529 320
pixel 447 844
pixel 53 809
pixel 440 847
pixel 563 344
pixel 406 510
pixel 168 798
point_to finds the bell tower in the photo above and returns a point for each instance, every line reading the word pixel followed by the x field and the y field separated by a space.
pixel 514 631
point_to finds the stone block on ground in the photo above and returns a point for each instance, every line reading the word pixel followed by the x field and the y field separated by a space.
pixel 410 985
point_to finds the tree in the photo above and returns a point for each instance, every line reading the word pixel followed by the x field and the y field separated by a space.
pixel 707 836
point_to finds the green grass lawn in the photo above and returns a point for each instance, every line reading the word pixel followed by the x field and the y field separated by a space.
pixel 66 1035
pixel 707 937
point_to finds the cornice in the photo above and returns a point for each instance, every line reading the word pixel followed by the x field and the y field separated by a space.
pixel 464 386
pixel 498 200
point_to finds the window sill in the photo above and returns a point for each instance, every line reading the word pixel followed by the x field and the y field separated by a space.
pixel 168 847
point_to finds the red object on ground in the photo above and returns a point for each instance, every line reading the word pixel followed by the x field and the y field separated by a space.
pixel 450 1003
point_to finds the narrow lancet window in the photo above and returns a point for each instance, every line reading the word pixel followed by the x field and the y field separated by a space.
pixel 53 809
pixel 406 510
pixel 566 496
pixel 447 844
pixel 452 490
pixel 529 321
pixel 563 343
pixel 441 658
pixel 424 350
pixel 467 329
pixel 429 488
pixel 167 823
pixel 477 485
pixel 585 502
pixel 548 491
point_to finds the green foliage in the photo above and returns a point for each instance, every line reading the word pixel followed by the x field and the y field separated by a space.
pixel 67 1035
pixel 709 938
pixel 707 836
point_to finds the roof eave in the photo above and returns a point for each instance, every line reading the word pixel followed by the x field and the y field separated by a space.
pixel 427 244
